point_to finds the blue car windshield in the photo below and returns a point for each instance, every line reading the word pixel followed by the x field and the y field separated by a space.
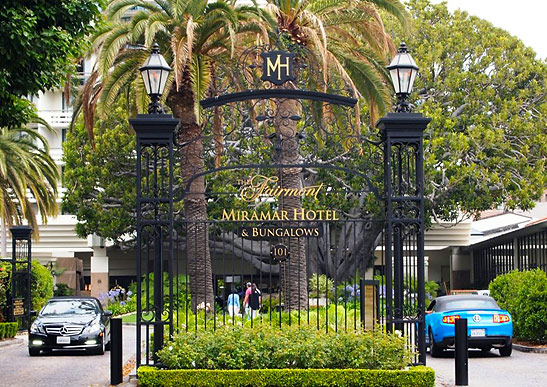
pixel 468 304
pixel 78 307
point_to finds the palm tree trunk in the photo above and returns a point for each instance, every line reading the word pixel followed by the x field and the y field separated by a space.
pixel 182 103
pixel 294 278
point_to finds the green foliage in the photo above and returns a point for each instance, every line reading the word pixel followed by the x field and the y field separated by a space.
pixel 265 347
pixel 4 284
pixel 41 285
pixel 62 290
pixel 484 90
pixel 26 167
pixel 414 377
pixel 319 285
pixel 100 180
pixel 39 42
pixel 8 330
pixel 524 295
pixel 431 289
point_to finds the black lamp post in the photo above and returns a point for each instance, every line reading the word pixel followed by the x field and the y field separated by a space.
pixel 155 160
pixel 155 72
pixel 403 71
pixel 402 135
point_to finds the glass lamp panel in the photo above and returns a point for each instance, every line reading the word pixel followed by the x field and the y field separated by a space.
pixel 163 80
pixel 413 73
pixel 155 78
pixel 395 79
pixel 404 80
pixel 146 80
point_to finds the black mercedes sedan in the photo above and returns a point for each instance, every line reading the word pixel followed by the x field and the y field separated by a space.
pixel 70 323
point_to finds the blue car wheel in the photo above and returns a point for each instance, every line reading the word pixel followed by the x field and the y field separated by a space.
pixel 435 349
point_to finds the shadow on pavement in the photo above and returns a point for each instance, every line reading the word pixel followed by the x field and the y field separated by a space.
pixel 449 354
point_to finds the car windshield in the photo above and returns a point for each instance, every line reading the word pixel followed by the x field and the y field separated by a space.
pixel 70 307
pixel 469 304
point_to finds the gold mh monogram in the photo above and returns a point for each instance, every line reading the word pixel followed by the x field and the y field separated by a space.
pixel 277 67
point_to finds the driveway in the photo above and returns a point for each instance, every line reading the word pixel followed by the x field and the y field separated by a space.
pixel 489 369
pixel 69 368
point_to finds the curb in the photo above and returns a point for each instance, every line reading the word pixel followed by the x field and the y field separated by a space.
pixel 525 348
pixel 11 342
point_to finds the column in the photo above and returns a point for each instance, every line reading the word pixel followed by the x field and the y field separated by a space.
pixel 99 266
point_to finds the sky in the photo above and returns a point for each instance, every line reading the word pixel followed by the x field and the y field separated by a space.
pixel 525 19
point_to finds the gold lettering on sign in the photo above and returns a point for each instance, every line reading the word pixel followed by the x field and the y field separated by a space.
pixel 264 186
pixel 277 66
pixel 295 214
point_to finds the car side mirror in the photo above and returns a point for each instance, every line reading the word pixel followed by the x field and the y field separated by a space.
pixel 108 313
pixel 33 313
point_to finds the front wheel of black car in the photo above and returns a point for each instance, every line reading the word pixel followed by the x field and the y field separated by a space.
pixel 507 350
pixel 435 349
pixel 33 351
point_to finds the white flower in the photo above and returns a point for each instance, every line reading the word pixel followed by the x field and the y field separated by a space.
pixel 398 333
pixel 170 347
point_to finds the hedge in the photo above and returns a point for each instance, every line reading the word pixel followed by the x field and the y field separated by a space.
pixel 414 377
pixel 524 295
pixel 8 330
pixel 268 347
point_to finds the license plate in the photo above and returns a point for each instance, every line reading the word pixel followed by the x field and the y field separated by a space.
pixel 63 340
pixel 477 332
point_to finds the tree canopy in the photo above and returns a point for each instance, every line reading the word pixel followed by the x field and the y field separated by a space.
pixel 39 43
pixel 486 144
pixel 486 95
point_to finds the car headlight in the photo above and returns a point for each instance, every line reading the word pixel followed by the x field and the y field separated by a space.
pixel 36 327
pixel 93 328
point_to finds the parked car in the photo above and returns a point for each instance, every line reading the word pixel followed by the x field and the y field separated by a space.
pixel 487 325
pixel 70 323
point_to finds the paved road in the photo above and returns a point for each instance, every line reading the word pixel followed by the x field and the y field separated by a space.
pixel 71 368
pixel 489 369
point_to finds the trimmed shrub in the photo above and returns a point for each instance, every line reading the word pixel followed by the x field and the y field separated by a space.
pixel 41 285
pixel 268 347
pixel 524 295
pixel 8 330
pixel 414 377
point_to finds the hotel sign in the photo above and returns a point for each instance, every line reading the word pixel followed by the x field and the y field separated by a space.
pixel 258 188
pixel 277 67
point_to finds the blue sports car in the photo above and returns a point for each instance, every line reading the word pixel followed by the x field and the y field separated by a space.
pixel 487 325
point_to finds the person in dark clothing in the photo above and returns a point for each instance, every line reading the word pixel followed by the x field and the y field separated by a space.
pixel 252 302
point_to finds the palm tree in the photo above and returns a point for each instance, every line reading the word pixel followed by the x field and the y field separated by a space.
pixel 26 167
pixel 194 36
pixel 349 38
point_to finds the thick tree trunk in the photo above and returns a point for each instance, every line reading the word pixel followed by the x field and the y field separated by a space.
pixel 198 254
pixel 294 274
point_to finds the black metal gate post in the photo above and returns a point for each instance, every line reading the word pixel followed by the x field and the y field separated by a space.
pixel 402 134
pixel 155 138
pixel 21 264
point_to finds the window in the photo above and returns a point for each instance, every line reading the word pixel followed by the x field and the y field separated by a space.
pixel 63 135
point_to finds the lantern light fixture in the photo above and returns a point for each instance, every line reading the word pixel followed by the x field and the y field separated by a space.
pixel 155 72
pixel 403 71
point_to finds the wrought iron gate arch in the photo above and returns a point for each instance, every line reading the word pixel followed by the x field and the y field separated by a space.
pixel 404 312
